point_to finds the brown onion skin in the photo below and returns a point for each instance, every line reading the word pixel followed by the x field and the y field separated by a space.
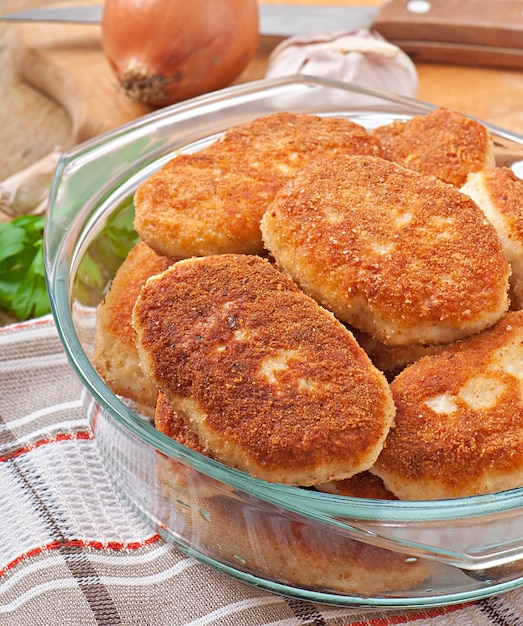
pixel 164 51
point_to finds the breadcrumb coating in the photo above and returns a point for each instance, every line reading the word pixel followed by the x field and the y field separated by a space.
pixel 394 253
pixel 459 427
pixel 499 193
pixel 115 355
pixel 271 383
pixel 211 202
pixel 443 143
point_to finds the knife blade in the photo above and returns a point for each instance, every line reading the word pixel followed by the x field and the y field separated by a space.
pixel 277 20
pixel 462 32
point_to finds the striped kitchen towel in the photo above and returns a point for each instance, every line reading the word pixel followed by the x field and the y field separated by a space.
pixel 73 552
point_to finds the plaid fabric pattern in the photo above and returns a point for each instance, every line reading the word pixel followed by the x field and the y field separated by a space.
pixel 73 552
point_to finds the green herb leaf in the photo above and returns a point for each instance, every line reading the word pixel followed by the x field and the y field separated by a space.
pixel 105 255
pixel 23 290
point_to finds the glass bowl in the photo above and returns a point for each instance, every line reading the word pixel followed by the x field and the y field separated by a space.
pixel 299 542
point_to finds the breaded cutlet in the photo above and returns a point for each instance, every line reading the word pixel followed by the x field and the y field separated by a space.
pixel 443 143
pixel 271 382
pixel 392 359
pixel 315 558
pixel 399 255
pixel 362 485
pixel 499 193
pixel 168 422
pixel 459 422
pixel 115 354
pixel 211 202
pixel 311 555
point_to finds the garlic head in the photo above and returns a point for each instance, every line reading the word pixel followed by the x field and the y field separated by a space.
pixel 356 56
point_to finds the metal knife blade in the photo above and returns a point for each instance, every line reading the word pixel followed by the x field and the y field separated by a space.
pixel 461 32
pixel 275 19
pixel 77 14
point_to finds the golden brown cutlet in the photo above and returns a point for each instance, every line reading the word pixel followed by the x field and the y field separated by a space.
pixel 115 354
pixel 271 383
pixel 351 566
pixel 168 422
pixel 309 555
pixel 459 427
pixel 399 255
pixel 392 359
pixel 443 143
pixel 277 145
pixel 362 485
pixel 211 202
pixel 499 193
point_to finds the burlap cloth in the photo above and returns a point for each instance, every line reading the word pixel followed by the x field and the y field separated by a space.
pixel 73 552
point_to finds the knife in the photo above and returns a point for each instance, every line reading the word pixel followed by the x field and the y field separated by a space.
pixel 461 32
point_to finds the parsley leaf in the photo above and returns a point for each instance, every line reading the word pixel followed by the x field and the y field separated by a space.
pixel 23 290
pixel 105 255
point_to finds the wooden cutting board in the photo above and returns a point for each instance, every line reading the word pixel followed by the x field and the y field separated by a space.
pixel 68 64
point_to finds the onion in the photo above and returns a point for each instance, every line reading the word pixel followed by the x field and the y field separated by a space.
pixel 164 51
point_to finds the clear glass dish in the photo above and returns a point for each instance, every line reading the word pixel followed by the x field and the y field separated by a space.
pixel 306 544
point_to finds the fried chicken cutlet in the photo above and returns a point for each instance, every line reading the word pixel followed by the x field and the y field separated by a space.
pixel 459 422
pixel 310 555
pixel 391 359
pixel 211 202
pixel 170 423
pixel 394 253
pixel 499 193
pixel 298 553
pixel 362 485
pixel 115 355
pixel 270 381
pixel 443 143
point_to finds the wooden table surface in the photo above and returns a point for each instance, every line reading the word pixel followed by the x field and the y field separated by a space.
pixel 31 124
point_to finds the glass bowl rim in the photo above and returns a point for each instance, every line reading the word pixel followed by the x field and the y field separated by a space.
pixel 312 504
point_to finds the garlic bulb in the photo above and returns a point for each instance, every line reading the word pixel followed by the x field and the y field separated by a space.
pixel 356 56
pixel 27 191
